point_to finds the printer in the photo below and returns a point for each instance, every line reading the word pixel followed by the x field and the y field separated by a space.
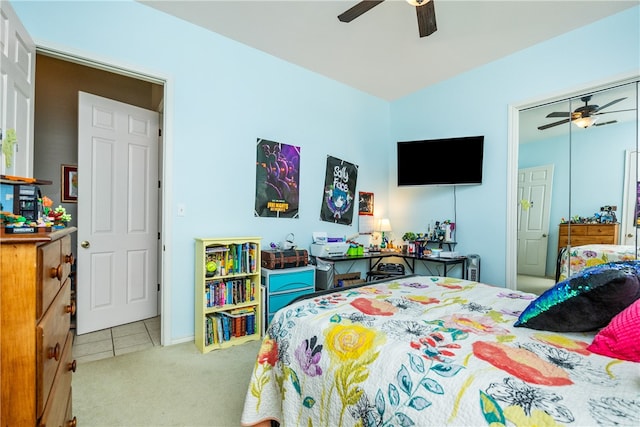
pixel 324 246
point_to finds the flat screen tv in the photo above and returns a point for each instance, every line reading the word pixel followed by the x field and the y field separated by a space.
pixel 447 161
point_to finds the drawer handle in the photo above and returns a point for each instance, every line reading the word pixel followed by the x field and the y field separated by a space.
pixel 69 259
pixel 54 352
pixel 72 423
pixel 56 272
pixel 70 308
pixel 72 366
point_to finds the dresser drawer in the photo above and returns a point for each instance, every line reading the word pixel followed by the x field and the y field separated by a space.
pixel 276 302
pixel 49 276
pixel 51 335
pixel 66 257
pixel 602 230
pixel 57 411
pixel 291 281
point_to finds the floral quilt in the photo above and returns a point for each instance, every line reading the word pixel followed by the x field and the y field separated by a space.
pixel 431 351
pixel 581 257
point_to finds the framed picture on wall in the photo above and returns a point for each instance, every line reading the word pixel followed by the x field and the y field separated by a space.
pixel 69 184
pixel 366 204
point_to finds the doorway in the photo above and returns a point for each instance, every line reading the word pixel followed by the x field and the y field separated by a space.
pixel 58 79
pixel 534 196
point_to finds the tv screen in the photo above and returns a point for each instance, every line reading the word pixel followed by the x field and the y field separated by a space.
pixel 447 161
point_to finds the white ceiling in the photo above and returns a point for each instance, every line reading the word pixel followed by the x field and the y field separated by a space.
pixel 380 52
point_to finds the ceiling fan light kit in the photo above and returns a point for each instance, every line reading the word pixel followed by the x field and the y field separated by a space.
pixel 417 2
pixel 585 122
pixel 425 11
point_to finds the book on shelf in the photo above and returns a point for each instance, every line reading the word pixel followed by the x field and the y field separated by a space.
pixel 219 293
pixel 241 258
pixel 216 248
pixel 232 324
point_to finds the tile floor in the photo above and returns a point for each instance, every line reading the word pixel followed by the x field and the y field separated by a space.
pixel 118 340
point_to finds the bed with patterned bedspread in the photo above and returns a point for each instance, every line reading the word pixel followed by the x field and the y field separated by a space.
pixel 431 351
pixel 576 258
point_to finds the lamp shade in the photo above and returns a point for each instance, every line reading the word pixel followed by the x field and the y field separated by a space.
pixel 385 224
pixel 417 2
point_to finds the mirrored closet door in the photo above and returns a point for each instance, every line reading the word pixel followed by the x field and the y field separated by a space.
pixel 577 184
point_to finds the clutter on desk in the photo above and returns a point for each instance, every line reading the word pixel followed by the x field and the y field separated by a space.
pixel 441 231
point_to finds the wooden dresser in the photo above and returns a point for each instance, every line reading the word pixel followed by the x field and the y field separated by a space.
pixel 36 341
pixel 588 234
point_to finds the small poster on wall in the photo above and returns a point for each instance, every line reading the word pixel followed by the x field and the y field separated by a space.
pixel 339 191
pixel 277 179
pixel 365 204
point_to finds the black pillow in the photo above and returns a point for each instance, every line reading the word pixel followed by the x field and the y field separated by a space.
pixel 586 301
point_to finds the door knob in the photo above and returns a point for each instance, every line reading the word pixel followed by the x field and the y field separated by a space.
pixel 629 235
pixel 544 235
pixel 85 244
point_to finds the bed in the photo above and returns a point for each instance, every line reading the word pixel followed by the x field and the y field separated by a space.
pixel 431 351
pixel 576 258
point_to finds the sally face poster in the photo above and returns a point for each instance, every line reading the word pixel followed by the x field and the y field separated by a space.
pixel 339 191
pixel 277 179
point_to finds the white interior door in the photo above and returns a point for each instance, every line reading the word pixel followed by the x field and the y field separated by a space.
pixel 629 220
pixel 117 213
pixel 534 197
pixel 17 71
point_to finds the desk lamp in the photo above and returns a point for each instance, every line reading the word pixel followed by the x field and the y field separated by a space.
pixel 385 226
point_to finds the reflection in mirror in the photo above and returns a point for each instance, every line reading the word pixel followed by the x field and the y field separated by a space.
pixel 578 190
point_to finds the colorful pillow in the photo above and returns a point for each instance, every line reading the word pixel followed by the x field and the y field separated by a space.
pixel 621 337
pixel 586 301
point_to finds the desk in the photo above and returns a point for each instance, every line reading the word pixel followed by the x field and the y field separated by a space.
pixel 409 260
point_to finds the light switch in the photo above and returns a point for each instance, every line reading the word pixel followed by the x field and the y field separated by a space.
pixel 182 210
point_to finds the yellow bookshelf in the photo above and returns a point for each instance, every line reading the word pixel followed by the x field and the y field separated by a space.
pixel 228 309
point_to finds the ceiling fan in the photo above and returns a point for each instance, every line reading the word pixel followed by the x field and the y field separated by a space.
pixel 584 116
pixel 424 10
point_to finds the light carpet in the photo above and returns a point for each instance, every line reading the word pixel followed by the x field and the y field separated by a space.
pixel 165 386
pixel 533 284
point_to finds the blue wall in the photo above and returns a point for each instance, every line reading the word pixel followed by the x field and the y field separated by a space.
pixel 477 103
pixel 226 95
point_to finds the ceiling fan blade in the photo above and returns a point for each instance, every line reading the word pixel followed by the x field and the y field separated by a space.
pixel 426 19
pixel 611 103
pixel 559 114
pixel 358 10
pixel 611 112
pixel 605 123
pixel 550 125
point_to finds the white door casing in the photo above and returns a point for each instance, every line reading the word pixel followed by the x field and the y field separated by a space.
pixel 17 88
pixel 534 199
pixel 117 213
pixel 629 219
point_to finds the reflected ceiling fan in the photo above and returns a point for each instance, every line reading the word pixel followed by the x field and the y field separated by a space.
pixel 584 116
pixel 425 11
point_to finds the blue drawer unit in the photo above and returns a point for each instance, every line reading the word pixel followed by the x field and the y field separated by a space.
pixel 285 285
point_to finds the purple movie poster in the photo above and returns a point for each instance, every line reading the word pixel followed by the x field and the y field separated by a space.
pixel 277 179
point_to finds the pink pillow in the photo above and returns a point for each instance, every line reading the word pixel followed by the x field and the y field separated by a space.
pixel 621 337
